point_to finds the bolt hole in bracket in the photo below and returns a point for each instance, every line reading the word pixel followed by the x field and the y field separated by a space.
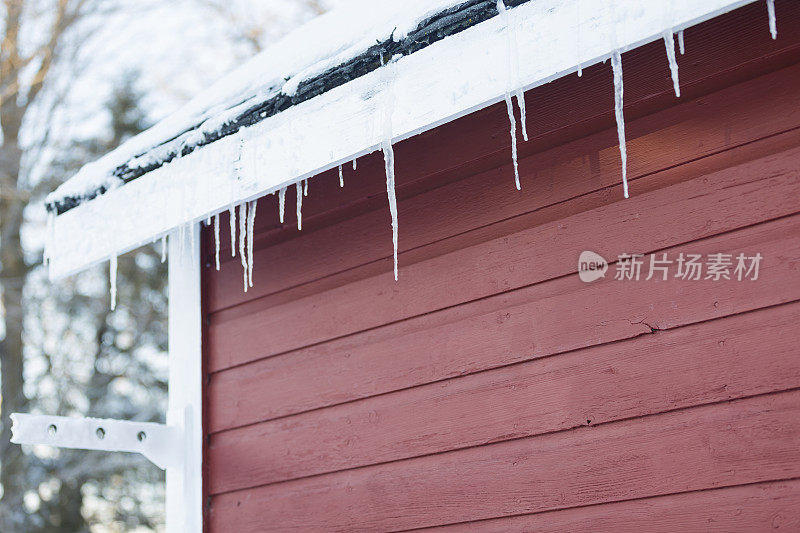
pixel 160 443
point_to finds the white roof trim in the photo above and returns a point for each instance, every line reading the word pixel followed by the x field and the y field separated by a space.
pixel 449 79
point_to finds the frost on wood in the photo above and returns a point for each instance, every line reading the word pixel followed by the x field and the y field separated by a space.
pixel 773 25
pixel 216 240
pixel 669 42
pixel 281 203
pixel 242 240
pixel 299 187
pixel 616 65
pixel 112 280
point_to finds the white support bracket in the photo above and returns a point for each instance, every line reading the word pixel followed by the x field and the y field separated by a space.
pixel 160 443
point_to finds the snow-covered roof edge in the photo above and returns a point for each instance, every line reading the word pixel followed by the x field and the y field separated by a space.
pixel 451 78
pixel 423 24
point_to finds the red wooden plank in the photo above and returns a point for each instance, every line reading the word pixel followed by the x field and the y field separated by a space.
pixel 744 441
pixel 745 194
pixel 694 129
pixel 544 319
pixel 759 507
pixel 745 355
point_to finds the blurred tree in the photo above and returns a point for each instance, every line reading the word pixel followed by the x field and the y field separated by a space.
pixel 86 360
pixel 27 59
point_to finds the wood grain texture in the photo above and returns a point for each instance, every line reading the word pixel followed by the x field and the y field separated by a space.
pixel 759 507
pixel 749 354
pixel 490 389
pixel 744 441
pixel 541 320
pixel 664 217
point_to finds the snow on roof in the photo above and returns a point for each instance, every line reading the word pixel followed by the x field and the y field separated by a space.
pixel 344 85
pixel 321 44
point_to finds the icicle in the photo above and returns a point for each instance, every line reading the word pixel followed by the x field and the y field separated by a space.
pixel 305 187
pixel 190 229
pixel 281 203
pixel 50 229
pixel 681 46
pixel 299 205
pixel 112 280
pixel 513 64
pixel 216 240
pixel 616 65
pixel 354 163
pixel 341 177
pixel 251 220
pixel 163 248
pixel 181 242
pixel 501 8
pixel 388 159
pixel 669 42
pixel 522 113
pixel 510 108
pixel 232 213
pixel 208 220
pixel 773 26
pixel 243 240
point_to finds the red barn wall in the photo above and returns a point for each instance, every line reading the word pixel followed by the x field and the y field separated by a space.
pixel 489 389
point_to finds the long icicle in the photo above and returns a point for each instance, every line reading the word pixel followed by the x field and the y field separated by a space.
pixel 388 159
pixel 616 65
pixel 341 177
pixel 513 121
pixel 281 203
pixel 112 280
pixel 501 9
pixel 299 206
pixel 232 213
pixel 669 42
pixel 251 220
pixel 216 240
pixel 773 25
pixel 243 240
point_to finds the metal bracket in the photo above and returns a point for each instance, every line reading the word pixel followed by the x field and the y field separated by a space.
pixel 160 443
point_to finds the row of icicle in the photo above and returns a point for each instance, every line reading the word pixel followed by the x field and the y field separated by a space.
pixel 616 66
pixel 247 210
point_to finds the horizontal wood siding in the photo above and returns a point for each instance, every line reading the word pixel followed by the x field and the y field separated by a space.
pixel 489 389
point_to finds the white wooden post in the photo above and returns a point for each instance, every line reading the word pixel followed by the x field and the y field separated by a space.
pixel 184 495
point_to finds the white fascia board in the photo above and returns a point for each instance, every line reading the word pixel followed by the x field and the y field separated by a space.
pixel 449 79
pixel 184 494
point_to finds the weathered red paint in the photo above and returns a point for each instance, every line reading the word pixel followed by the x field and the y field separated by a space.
pixel 490 389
